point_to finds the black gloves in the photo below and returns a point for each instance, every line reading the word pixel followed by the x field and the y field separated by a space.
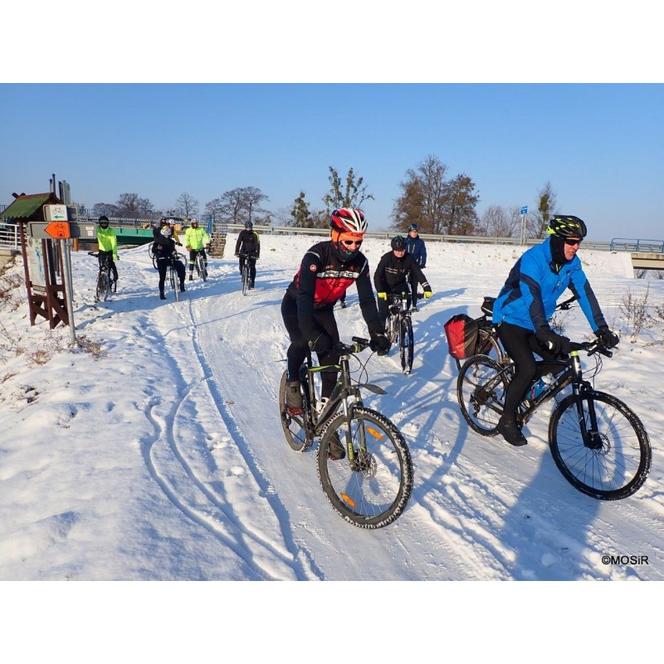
pixel 380 344
pixel 607 338
pixel 555 343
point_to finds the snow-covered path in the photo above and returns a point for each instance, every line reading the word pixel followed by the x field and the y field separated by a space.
pixel 165 459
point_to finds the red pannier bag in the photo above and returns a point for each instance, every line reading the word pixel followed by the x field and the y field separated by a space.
pixel 462 336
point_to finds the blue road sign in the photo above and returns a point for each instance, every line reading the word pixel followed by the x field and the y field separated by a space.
pixel 524 209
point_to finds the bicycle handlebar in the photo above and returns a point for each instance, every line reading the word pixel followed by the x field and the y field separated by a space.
pixel 358 345
pixel 591 347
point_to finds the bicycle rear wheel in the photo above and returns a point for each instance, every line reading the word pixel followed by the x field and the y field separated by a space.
pixel 294 426
pixel 489 345
pixel 481 390
pixel 616 461
pixel 371 490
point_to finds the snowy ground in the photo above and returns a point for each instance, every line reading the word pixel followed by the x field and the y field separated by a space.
pixel 157 453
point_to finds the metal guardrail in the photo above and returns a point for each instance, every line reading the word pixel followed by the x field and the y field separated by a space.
pixel 9 238
pixel 626 244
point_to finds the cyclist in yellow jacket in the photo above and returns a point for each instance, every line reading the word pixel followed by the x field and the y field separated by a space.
pixel 108 247
pixel 196 240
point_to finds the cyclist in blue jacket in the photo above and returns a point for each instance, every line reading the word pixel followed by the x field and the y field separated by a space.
pixel 415 246
pixel 527 302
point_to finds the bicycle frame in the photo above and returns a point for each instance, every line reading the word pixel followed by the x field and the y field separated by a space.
pixel 342 394
pixel 571 374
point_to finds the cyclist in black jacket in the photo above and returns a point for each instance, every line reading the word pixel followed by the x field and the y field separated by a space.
pixel 397 273
pixel 163 249
pixel 248 243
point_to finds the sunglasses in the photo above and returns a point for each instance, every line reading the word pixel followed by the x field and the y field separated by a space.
pixel 572 242
pixel 350 243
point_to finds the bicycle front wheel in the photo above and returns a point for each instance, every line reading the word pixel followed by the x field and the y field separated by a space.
pixel 294 426
pixel 103 287
pixel 614 462
pixel 245 280
pixel 174 284
pixel 406 345
pixel 481 387
pixel 371 489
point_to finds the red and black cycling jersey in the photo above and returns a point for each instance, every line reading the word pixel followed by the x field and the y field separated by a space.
pixel 323 278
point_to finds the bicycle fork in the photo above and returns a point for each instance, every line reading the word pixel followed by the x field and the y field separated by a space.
pixel 582 388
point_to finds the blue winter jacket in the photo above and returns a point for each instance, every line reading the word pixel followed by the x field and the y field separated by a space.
pixel 415 247
pixel 528 298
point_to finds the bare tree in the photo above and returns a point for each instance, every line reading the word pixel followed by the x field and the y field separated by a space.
pixel 238 206
pixel 423 197
pixel 186 206
pixel 459 200
pixel 352 194
pixel 499 222
pixel 546 204
pixel 108 209
pixel 133 206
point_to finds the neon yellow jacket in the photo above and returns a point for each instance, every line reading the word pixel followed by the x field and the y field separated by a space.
pixel 196 238
pixel 107 240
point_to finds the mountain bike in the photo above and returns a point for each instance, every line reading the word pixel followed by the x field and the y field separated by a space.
pixel 172 274
pixel 371 485
pixel 246 268
pixel 199 264
pixel 597 442
pixel 399 328
pixel 104 277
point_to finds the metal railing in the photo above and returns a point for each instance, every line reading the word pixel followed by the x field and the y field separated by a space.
pixel 9 238
pixel 625 244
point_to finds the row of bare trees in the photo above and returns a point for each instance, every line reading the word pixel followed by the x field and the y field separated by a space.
pixel 430 197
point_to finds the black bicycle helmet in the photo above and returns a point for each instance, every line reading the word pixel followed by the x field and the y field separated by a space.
pixel 398 243
pixel 566 225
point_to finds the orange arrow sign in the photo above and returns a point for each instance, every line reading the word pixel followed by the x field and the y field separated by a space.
pixel 58 229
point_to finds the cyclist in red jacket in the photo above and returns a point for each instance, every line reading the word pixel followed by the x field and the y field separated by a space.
pixel 327 270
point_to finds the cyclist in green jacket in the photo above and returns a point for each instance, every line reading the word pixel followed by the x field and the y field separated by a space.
pixel 196 240
pixel 108 247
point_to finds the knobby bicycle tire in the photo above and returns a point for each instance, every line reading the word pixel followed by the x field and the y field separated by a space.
pixel 245 279
pixel 103 286
pixel 174 283
pixel 354 489
pixel 202 271
pixel 580 465
pixel 406 344
pixel 294 426
pixel 481 390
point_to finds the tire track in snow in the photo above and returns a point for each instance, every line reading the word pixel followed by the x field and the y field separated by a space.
pixel 302 569
pixel 306 567
pixel 205 521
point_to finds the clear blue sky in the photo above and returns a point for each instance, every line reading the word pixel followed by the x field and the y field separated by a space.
pixel 600 146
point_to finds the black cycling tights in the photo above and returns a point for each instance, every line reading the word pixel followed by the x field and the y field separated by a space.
pixel 520 345
pixel 297 351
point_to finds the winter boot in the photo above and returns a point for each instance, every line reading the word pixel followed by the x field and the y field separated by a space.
pixel 182 286
pixel 294 397
pixel 161 295
pixel 511 432
pixel 191 276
